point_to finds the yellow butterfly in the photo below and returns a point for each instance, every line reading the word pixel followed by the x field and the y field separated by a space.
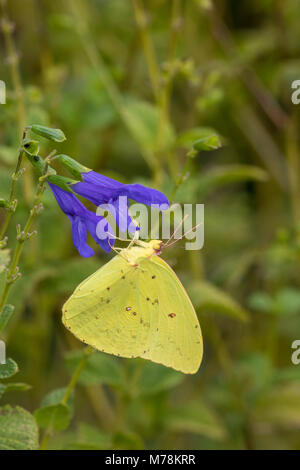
pixel 135 306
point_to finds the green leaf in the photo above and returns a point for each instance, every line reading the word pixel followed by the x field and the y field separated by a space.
pixel 211 142
pixel 196 417
pixel 18 429
pixel 74 167
pixel 56 135
pixel 5 315
pixel 200 138
pixel 56 417
pixel 4 203
pixel 14 387
pixel 62 182
pixel 100 369
pixel 55 397
pixel 4 259
pixel 156 378
pixel 31 146
pixel 38 163
pixel 9 369
pixel 206 296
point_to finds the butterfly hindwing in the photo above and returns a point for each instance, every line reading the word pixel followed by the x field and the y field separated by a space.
pixel 137 311
pixel 175 338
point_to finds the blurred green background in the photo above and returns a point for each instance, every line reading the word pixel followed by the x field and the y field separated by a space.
pixel 132 84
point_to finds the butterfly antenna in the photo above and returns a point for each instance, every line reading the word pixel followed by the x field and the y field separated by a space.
pixel 123 239
pixel 189 231
pixel 176 230
pixel 132 241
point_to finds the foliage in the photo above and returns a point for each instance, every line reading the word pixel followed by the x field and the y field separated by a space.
pixel 192 98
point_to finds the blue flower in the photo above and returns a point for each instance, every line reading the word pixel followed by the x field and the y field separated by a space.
pixel 82 220
pixel 100 190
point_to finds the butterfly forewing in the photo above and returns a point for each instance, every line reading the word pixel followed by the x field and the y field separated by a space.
pixel 102 311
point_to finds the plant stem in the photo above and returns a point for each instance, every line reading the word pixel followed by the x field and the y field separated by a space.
pixel 165 95
pixel 13 60
pixel 74 379
pixel 97 61
pixel 13 188
pixel 293 166
pixel 13 273
pixel 154 75
pixel 142 23
pixel 181 177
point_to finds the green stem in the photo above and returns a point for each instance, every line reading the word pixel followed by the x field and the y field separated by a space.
pixel 166 91
pixel 74 379
pixel 13 189
pixel 162 89
pixel 13 273
pixel 181 177
pixel 97 62
pixel 293 166
pixel 142 23
pixel 14 64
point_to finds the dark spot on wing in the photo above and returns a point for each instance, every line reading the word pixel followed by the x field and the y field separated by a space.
pixel 153 277
pixel 196 326
pixel 128 308
pixel 148 299
pixel 133 313
pixel 123 277
pixel 107 288
pixel 108 300
pixel 172 315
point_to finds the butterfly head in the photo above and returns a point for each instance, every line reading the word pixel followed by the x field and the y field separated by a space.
pixel 156 246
